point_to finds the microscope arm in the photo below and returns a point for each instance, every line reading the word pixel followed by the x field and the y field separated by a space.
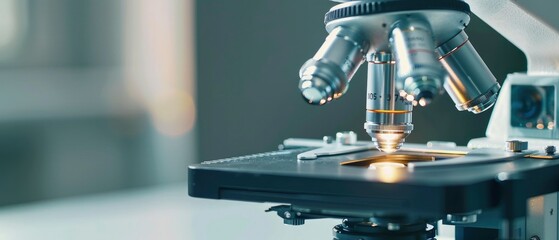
pixel 538 41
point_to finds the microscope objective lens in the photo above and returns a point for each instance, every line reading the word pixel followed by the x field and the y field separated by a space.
pixel 388 112
pixel 418 73
pixel 326 76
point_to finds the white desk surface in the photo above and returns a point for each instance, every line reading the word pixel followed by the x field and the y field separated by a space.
pixel 164 212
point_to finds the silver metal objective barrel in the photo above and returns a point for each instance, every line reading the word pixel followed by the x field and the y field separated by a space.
pixel 389 115
pixel 419 74
pixel 326 76
pixel 471 85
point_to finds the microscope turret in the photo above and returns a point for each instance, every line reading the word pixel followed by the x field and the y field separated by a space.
pixel 413 49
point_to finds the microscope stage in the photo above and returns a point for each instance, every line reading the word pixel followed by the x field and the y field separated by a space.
pixel 419 181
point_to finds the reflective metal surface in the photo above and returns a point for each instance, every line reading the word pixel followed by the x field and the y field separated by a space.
pixel 470 83
pixel 516 146
pixel 444 23
pixel 404 68
pixel 346 142
pixel 419 74
pixel 378 161
pixel 388 114
pixel 326 76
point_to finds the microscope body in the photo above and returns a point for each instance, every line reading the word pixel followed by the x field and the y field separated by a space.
pixel 503 186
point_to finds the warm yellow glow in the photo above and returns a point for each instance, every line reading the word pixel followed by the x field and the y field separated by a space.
pixel 539 126
pixel 388 172
pixel 173 112
pixel 422 102
pixel 536 205
pixel 388 111
pixel 457 86
pixel 379 165
pixel 410 98
pixel 388 149
pixel 389 136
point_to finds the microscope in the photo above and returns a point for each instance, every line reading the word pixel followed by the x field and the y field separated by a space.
pixel 503 186
pixel 412 49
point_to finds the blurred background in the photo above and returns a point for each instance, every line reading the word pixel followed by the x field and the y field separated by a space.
pixel 94 96
pixel 100 95
pixel 104 95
